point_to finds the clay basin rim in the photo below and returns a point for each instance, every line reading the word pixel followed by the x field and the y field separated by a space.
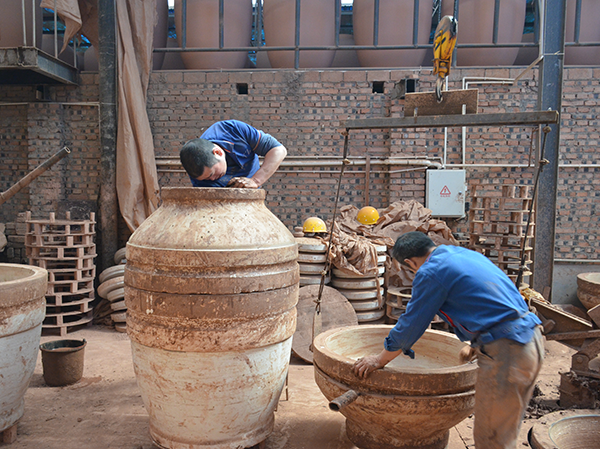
pixel 566 429
pixel 436 368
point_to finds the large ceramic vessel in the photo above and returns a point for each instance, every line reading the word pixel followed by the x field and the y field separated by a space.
pixel 202 31
pixel 395 28
pixel 589 31
pixel 211 286
pixel 22 311
pixel 317 28
pixel 409 403
pixel 476 26
pixel 11 24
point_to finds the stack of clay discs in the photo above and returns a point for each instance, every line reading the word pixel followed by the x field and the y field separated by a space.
pixel 395 303
pixel 365 293
pixel 312 257
pixel 112 288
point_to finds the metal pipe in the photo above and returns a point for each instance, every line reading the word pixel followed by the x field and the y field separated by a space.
pixel 376 23
pixel 349 162
pixel 577 20
pixel 183 23
pixel 344 400
pixel 496 18
pixel 221 25
pixel 55 30
pixel 23 16
pixel 27 179
pixel 297 37
pixel 33 14
pixel 416 23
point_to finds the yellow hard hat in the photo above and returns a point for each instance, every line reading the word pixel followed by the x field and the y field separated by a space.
pixel 314 224
pixel 368 215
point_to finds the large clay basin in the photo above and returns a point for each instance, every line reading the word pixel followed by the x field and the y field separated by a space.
pixel 566 429
pixel 407 404
pixel 22 310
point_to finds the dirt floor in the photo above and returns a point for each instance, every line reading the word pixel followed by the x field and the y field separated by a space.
pixel 104 410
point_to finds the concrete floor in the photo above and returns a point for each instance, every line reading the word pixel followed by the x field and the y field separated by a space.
pixel 105 411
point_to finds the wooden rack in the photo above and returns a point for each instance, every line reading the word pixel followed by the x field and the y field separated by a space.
pixel 497 227
pixel 67 250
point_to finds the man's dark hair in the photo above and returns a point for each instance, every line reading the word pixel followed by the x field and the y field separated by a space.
pixel 411 244
pixel 196 155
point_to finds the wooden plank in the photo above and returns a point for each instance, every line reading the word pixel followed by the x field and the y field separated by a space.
pixel 442 121
pixel 425 103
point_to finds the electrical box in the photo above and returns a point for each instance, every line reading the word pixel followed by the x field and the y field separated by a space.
pixel 446 191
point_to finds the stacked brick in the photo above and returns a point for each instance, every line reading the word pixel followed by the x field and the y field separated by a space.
pixel 67 250
pixel 498 227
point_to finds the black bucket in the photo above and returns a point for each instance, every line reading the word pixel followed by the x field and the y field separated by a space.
pixel 62 361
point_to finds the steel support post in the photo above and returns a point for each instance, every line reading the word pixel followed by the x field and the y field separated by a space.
pixel 107 201
pixel 549 98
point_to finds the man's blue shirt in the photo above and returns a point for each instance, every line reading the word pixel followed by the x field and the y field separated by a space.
pixel 471 294
pixel 242 144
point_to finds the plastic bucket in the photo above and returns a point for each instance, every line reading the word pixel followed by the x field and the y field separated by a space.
pixel 62 361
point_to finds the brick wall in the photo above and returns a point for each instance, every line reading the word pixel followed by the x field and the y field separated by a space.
pixel 305 111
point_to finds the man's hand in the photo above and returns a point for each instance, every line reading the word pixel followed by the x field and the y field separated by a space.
pixel 366 365
pixel 242 183
pixel 467 354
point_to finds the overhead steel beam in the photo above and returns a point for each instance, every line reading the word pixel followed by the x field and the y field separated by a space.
pixel 442 121
pixel 549 97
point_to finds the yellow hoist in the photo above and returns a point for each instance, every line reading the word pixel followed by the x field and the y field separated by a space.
pixel 443 46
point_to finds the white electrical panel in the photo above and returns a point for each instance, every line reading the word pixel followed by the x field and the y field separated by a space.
pixel 446 191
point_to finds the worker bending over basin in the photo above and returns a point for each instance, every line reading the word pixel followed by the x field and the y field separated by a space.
pixel 484 307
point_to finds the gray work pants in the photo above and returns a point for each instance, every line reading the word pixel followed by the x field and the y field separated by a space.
pixel 505 382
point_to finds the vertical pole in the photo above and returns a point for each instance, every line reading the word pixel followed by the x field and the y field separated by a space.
pixel 549 97
pixel 107 201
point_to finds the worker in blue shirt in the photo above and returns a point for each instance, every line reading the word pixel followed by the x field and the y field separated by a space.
pixel 226 155
pixel 484 307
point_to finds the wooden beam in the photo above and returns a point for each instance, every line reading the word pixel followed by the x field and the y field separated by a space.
pixel 442 121
pixel 425 103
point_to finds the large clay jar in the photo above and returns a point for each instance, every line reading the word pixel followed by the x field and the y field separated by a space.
pixel 395 28
pixel 11 24
pixel 476 26
pixel 589 31
pixel 202 31
pixel 317 28
pixel 161 31
pixel 211 286
pixel 22 311
pixel 409 403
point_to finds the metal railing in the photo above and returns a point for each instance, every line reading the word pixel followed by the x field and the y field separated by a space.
pixel 258 31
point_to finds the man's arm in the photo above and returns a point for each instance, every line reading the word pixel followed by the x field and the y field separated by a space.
pixel 270 164
pixel 366 365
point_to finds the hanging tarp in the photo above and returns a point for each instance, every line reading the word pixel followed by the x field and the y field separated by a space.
pixel 137 179
pixel 136 176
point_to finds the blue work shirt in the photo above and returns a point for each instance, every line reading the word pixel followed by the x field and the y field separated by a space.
pixel 471 294
pixel 242 144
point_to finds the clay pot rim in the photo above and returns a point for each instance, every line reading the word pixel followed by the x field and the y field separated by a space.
pixel 36 272
pixel 592 278
pixel 211 193
pixel 36 281
pixel 376 394
pixel 390 370
pixel 540 432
